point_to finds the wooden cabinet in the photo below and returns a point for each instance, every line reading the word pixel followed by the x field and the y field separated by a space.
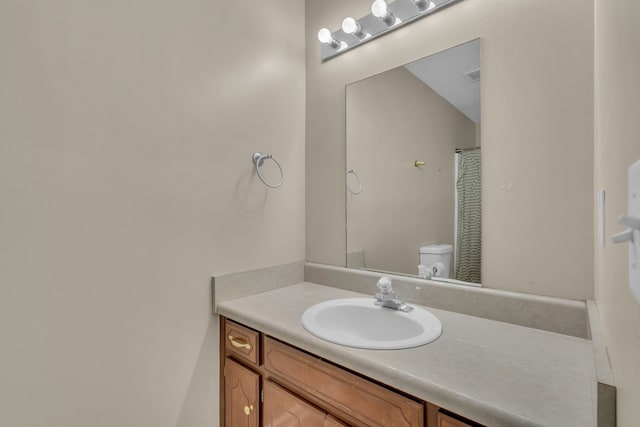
pixel 241 342
pixel 284 409
pixel 445 420
pixel 329 421
pixel 272 384
pixel 242 396
pixel 367 402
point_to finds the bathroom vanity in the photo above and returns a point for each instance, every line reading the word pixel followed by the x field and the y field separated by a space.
pixel 269 380
pixel 479 372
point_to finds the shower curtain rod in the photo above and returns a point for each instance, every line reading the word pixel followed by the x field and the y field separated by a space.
pixel 460 150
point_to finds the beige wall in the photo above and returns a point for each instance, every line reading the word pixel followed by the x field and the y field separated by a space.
pixel 617 147
pixel 126 132
pixel 421 125
pixel 537 133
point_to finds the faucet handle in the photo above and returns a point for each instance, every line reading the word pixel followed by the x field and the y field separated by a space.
pixel 384 284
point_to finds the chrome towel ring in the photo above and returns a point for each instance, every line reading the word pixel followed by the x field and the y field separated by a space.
pixel 258 160
pixel 359 183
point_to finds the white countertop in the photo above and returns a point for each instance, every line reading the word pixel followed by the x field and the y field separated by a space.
pixel 492 372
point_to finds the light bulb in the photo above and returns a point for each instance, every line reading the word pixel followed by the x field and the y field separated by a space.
pixel 379 9
pixel 324 35
pixel 351 26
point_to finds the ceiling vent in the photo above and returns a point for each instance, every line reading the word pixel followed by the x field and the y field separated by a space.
pixel 473 75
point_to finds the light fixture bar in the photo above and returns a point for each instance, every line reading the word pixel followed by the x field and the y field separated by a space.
pixel 424 4
pixel 400 13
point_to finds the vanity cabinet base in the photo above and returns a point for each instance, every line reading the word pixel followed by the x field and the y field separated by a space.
pixel 279 385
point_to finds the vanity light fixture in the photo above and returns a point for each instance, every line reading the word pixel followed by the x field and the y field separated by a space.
pixel 380 10
pixel 424 4
pixel 384 17
pixel 351 26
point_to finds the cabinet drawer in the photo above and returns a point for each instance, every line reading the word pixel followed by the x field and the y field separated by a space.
pixel 242 342
pixel 364 400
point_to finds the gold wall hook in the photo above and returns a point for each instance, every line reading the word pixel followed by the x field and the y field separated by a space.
pixel 418 163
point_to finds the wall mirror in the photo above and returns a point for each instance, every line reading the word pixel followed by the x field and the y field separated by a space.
pixel 413 181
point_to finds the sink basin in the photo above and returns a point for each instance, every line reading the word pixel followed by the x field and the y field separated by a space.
pixel 358 322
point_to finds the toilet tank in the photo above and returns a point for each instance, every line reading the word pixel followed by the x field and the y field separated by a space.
pixel 431 254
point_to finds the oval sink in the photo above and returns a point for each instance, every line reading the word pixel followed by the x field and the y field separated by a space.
pixel 358 322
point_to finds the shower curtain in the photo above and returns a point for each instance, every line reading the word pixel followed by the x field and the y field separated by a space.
pixel 469 232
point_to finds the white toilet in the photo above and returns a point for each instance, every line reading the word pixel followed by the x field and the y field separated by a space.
pixel 430 255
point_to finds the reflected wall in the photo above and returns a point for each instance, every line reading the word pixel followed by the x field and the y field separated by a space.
pixel 393 120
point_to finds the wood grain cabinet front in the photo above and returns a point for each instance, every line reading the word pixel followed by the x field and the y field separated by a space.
pixel 367 402
pixel 283 409
pixel 445 420
pixel 242 396
pixel 329 421
pixel 272 384
pixel 242 342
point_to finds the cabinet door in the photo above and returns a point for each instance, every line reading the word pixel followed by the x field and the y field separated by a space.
pixel 283 409
pixel 446 421
pixel 241 396
pixel 332 422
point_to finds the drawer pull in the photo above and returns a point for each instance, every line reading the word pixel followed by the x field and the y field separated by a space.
pixel 248 409
pixel 239 342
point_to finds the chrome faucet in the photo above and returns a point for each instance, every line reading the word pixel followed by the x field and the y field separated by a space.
pixel 388 298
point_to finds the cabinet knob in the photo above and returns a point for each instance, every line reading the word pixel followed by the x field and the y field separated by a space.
pixel 239 342
pixel 248 409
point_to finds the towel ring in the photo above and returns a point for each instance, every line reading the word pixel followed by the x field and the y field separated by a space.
pixel 355 193
pixel 258 160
